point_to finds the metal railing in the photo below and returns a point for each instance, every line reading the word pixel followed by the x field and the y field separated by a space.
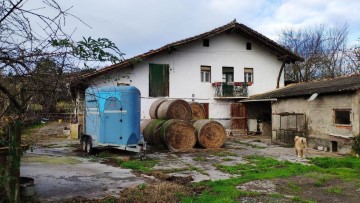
pixel 230 89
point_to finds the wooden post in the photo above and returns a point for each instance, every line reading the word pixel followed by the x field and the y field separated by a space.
pixel 13 169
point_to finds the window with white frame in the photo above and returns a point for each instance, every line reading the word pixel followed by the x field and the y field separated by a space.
pixel 248 75
pixel 205 73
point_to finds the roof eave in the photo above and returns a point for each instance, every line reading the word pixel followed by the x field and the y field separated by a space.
pixel 232 26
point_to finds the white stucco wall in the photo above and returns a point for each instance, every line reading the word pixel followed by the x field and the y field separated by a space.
pixel 227 50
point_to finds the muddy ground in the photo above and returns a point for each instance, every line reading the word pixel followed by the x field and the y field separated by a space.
pixel 61 171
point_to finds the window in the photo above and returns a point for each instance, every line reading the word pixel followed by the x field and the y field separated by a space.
pixel 228 74
pixel 248 45
pixel 248 75
pixel 342 116
pixel 205 73
pixel 112 103
pixel 158 80
pixel 206 42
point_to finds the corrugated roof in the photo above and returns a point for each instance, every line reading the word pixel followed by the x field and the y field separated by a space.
pixel 340 84
pixel 233 26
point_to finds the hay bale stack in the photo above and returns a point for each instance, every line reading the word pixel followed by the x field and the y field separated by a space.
pixel 154 108
pixel 143 125
pixel 178 135
pixel 210 134
pixel 151 132
pixel 174 109
pixel 198 111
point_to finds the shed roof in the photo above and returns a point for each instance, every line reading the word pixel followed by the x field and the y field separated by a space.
pixel 281 52
pixel 335 85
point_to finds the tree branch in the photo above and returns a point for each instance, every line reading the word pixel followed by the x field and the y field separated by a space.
pixel 10 11
pixel 11 98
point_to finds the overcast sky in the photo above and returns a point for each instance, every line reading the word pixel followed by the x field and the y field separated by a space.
pixel 136 26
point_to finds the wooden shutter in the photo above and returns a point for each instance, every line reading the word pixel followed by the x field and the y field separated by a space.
pixel 158 80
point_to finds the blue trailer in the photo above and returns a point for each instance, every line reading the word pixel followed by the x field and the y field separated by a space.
pixel 112 119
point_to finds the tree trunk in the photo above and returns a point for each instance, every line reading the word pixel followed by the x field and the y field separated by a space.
pixel 279 76
pixel 13 168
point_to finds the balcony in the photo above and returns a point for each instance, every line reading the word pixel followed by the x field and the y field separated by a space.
pixel 231 90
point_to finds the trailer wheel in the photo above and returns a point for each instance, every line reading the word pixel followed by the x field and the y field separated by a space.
pixel 142 156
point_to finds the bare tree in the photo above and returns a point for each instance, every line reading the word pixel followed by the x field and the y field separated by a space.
pixel 353 56
pixel 323 49
pixel 34 52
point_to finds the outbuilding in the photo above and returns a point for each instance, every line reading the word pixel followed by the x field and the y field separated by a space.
pixel 327 112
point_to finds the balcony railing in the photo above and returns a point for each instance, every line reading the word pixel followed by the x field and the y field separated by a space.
pixel 231 89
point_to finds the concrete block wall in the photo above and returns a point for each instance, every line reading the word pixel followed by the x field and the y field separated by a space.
pixel 321 129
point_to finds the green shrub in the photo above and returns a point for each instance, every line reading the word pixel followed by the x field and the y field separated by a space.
pixel 356 145
pixel 64 107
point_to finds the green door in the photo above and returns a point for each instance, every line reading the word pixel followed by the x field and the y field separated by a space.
pixel 158 80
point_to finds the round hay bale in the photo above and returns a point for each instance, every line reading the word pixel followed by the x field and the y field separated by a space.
pixel 178 135
pixel 210 134
pixel 175 109
pixel 152 132
pixel 154 108
pixel 198 111
pixel 143 124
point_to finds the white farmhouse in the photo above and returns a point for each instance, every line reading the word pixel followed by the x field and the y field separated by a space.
pixel 217 68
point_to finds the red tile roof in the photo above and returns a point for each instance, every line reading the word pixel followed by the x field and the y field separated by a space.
pixel 335 85
pixel 233 26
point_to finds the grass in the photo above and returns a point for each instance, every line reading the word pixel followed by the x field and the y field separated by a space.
pixel 174 170
pixel 258 168
pixel 299 199
pixel 193 168
pixel 50 160
pixel 186 168
pixel 227 159
pixel 256 146
pixel 32 128
pixel 224 153
pixel 293 187
pixel 261 168
pixel 334 190
pixel 256 164
pixel 345 168
pixel 200 158
pixel 155 192
pixel 331 163
pixel 105 154
pixel 320 182
pixel 137 165
pixel 109 200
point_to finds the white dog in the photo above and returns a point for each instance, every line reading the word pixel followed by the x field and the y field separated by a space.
pixel 300 146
